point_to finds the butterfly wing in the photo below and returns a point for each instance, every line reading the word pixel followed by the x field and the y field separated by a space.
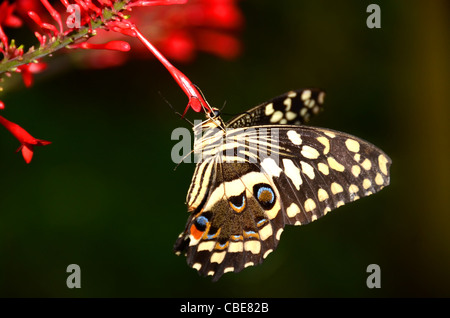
pixel 239 209
pixel 328 170
pixel 292 108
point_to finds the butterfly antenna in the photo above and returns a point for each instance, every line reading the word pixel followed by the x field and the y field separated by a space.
pixel 203 96
pixel 183 159
pixel 223 106
pixel 177 113
pixel 231 114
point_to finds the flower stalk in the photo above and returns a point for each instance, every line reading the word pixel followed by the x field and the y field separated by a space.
pixel 196 101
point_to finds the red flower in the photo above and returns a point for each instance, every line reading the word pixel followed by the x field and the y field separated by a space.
pixel 180 31
pixel 27 71
pixel 28 142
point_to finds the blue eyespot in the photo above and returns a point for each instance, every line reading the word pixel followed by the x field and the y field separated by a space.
pixel 237 203
pixel 266 194
pixel 201 222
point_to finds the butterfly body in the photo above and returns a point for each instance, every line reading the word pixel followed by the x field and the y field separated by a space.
pixel 265 169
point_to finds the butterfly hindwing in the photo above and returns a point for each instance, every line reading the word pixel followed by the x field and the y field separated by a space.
pixel 236 226
pixel 292 108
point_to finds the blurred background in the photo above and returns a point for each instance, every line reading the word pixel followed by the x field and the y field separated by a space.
pixel 105 195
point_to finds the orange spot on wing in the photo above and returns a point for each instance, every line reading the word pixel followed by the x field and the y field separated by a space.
pixel 195 232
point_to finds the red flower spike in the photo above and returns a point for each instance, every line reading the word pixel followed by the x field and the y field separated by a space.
pixel 28 142
pixel 2 105
pixel 196 101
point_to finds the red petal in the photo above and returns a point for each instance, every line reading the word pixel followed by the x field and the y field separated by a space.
pixel 55 14
pixel 117 46
pixel 195 104
pixel 40 142
pixel 27 153
pixel 179 46
pixel 104 59
pixel 144 3
pixel 37 67
pixel 112 45
pixel 21 134
pixel 27 77
pixel 13 21
pixel 221 44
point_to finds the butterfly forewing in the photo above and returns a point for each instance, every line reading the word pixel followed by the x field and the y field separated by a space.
pixel 327 170
pixel 292 108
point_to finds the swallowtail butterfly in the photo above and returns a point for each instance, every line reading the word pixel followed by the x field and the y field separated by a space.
pixel 265 169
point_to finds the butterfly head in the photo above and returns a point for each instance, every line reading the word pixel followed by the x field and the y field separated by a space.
pixel 213 120
pixel 214 113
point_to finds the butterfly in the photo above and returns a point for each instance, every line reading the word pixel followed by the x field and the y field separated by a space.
pixel 265 169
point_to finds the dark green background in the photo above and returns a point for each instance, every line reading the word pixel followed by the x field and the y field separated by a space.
pixel 105 194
